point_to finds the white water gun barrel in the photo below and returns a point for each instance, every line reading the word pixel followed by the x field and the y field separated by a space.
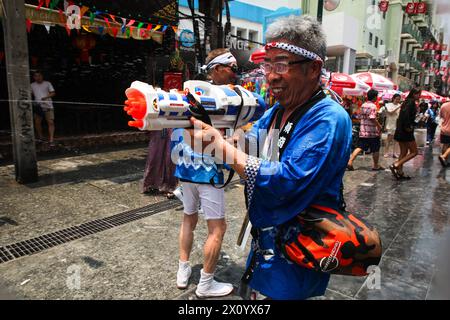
pixel 157 109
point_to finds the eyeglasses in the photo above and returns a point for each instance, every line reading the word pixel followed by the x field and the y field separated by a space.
pixel 233 67
pixel 280 67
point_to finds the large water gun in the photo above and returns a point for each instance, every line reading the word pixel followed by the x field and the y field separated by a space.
pixel 220 106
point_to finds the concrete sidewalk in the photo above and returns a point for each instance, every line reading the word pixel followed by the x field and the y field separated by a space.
pixel 139 259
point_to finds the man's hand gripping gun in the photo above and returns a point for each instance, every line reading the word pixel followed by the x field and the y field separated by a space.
pixel 220 106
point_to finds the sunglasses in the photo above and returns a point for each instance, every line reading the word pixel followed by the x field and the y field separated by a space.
pixel 233 67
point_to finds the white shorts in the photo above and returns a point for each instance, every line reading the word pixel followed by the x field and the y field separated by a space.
pixel 211 199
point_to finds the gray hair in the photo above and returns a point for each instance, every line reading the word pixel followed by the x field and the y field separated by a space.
pixel 302 31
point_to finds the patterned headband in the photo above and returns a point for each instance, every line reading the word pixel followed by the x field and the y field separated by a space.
pixel 225 58
pixel 293 49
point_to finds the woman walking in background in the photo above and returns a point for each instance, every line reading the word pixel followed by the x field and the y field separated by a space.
pixel 404 134
pixel 392 113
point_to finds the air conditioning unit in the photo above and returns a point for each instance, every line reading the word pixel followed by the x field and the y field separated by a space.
pixel 362 62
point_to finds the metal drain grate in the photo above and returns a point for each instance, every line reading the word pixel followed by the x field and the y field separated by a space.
pixel 46 241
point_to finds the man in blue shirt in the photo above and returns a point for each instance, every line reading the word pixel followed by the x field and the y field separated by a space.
pixel 310 169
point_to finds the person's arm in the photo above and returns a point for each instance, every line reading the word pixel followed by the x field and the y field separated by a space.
pixel 220 148
pixel 318 154
pixel 51 95
pixel 392 108
pixel 51 92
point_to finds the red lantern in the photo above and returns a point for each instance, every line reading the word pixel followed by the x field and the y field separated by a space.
pixel 383 5
pixel 34 61
pixel 84 42
pixel 426 46
pixel 421 7
pixel 410 8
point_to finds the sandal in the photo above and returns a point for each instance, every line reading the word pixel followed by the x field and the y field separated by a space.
pixel 350 167
pixel 403 177
pixel 394 171
pixel 380 168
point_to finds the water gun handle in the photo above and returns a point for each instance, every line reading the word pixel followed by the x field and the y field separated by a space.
pixel 197 108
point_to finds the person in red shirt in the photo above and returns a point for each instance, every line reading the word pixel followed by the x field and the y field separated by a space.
pixel 369 132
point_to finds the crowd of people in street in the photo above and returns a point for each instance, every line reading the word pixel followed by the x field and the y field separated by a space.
pixel 398 120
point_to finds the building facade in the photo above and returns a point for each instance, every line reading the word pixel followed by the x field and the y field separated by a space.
pixel 248 22
pixel 362 38
pixel 359 36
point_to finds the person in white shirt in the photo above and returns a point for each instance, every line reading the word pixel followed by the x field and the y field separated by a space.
pixel 392 112
pixel 43 92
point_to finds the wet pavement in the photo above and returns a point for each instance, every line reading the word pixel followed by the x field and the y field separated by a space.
pixel 139 259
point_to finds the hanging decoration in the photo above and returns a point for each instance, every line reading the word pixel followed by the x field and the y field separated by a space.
pixel 41 3
pixel 28 23
pixel 93 21
pixel 416 8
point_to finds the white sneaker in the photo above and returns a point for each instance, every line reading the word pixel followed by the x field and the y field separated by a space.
pixel 208 287
pixel 183 274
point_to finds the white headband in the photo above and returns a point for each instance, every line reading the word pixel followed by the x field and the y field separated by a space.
pixel 294 49
pixel 226 58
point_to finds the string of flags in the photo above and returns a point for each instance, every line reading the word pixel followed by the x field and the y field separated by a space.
pixel 72 18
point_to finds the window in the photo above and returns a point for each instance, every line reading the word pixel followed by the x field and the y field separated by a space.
pixel 239 33
pixel 251 36
pixel 370 38
pixel 376 42
pixel 381 42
